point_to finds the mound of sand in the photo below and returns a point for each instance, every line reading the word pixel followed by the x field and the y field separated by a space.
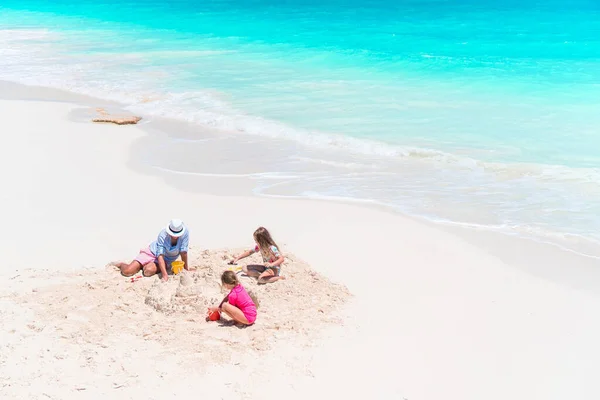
pixel 94 305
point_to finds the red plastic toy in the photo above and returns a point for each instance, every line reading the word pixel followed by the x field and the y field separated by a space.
pixel 214 316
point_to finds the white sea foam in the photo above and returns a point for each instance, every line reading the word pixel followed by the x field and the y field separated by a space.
pixel 256 175
pixel 39 64
pixel 577 244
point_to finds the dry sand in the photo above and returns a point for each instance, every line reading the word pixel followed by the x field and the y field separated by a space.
pixel 84 319
pixel 431 316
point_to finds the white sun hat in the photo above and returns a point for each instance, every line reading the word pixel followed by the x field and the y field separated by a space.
pixel 176 228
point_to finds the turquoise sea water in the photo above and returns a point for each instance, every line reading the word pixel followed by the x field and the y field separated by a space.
pixel 466 112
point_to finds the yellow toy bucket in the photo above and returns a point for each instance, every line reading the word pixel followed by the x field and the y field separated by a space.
pixel 177 266
pixel 236 268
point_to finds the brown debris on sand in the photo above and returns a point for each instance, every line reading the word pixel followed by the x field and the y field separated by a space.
pixel 105 117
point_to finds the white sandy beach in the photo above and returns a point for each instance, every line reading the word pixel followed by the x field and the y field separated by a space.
pixel 432 313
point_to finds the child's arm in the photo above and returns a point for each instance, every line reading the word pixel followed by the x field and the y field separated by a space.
pixel 277 262
pixel 225 300
pixel 243 255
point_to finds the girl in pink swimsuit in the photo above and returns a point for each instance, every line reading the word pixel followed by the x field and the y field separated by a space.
pixel 238 304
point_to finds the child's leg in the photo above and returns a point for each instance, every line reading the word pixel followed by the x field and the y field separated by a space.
pixel 269 276
pixel 235 313
pixel 253 270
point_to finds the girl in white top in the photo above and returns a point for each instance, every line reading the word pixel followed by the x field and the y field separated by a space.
pixel 270 271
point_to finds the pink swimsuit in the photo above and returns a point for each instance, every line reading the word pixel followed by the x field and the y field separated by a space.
pixel 241 299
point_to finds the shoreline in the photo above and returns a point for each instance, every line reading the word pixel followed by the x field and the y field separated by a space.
pixel 165 131
pixel 156 127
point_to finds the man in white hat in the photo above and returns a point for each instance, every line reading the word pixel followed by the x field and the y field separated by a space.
pixel 171 243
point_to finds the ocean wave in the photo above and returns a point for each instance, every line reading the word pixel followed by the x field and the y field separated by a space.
pixel 340 164
pixel 39 64
pixel 45 64
pixel 255 175
pixel 210 108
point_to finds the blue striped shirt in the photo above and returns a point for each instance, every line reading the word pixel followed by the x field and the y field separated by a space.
pixel 162 245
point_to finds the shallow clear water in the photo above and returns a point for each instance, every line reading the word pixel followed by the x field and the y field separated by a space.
pixel 460 111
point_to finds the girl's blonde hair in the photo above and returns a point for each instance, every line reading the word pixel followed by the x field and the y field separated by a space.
pixel 265 241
